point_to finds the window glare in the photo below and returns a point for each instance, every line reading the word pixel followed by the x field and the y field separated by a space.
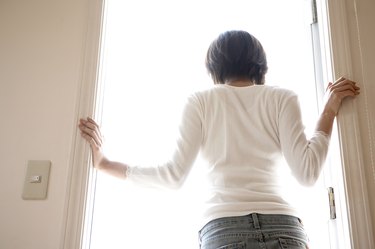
pixel 154 55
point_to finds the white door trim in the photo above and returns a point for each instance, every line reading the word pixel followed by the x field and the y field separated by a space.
pixel 80 171
pixel 357 202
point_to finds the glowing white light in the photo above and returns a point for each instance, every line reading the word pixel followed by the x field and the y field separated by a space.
pixel 154 57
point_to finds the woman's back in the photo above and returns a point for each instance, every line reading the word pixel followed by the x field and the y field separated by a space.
pixel 241 129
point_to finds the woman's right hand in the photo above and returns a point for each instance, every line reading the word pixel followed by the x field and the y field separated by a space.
pixel 90 131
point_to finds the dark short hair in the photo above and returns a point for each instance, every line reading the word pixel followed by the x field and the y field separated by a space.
pixel 236 55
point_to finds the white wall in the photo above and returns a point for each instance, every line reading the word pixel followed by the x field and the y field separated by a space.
pixel 362 44
pixel 41 51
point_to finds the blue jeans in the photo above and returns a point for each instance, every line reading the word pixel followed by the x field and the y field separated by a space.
pixel 254 231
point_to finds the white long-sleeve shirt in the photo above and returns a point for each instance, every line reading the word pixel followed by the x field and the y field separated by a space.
pixel 241 132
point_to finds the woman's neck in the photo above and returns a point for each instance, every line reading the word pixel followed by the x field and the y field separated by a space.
pixel 239 83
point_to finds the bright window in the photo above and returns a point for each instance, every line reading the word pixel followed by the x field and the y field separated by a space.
pixel 153 59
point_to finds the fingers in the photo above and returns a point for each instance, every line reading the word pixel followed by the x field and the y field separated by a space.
pixel 90 125
pixel 340 79
pixel 344 87
pixel 338 91
pixel 93 122
pixel 90 132
pixel 348 88
pixel 329 85
pixel 90 140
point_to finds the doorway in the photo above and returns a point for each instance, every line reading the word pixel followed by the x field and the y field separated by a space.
pixel 153 58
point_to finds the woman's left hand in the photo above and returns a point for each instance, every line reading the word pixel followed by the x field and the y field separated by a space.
pixel 337 92
pixel 90 131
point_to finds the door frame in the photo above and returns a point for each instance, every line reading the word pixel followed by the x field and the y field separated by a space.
pixel 81 176
pixel 337 41
pixel 79 186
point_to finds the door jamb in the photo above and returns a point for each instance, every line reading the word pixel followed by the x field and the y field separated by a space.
pixel 355 188
pixel 79 171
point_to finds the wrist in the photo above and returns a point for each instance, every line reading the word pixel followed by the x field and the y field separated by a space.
pixel 329 113
pixel 103 163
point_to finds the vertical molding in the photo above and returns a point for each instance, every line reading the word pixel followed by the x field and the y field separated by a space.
pixel 79 171
pixel 349 134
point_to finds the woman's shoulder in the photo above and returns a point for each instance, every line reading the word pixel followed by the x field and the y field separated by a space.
pixel 205 92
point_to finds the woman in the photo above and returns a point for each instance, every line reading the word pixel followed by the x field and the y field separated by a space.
pixel 242 128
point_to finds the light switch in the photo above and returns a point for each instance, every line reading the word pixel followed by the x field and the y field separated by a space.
pixel 36 180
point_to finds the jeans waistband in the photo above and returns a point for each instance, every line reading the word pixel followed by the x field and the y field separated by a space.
pixel 255 220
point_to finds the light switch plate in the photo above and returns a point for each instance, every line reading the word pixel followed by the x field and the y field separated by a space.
pixel 36 180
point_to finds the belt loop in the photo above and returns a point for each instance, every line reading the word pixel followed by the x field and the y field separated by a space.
pixel 255 220
pixel 199 240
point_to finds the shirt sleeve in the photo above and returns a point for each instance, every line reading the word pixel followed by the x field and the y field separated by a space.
pixel 173 173
pixel 304 156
